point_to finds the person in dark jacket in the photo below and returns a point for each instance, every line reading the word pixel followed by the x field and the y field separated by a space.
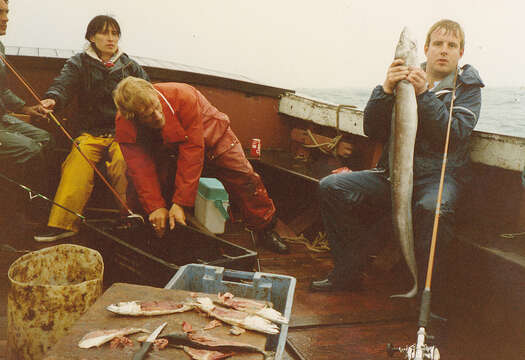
pixel 158 123
pixel 91 76
pixel 354 205
pixel 22 145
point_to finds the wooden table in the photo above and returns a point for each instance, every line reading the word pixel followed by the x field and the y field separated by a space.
pixel 97 317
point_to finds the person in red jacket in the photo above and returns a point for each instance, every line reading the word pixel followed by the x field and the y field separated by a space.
pixel 160 122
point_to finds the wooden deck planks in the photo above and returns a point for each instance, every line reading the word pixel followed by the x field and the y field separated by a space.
pixel 356 342
pixel 341 325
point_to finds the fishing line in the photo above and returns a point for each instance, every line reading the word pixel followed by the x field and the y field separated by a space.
pixel 34 195
pixel 57 122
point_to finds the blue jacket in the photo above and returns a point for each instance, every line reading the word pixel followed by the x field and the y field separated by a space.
pixel 433 114
pixel 93 83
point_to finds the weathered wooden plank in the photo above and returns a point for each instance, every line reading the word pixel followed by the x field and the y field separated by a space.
pixel 322 113
pixel 97 317
pixel 506 152
pixel 356 342
pixel 503 151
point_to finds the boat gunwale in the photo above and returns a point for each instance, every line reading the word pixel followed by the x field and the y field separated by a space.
pixel 206 77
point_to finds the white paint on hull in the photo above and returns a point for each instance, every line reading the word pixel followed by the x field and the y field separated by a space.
pixel 506 152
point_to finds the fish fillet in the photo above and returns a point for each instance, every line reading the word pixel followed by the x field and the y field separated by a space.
pixel 148 308
pixel 263 309
pixel 236 317
pixel 99 337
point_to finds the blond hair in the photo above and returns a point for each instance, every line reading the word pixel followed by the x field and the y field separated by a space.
pixel 133 96
pixel 448 26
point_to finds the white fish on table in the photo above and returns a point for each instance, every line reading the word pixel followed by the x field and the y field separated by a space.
pixel 99 337
pixel 148 308
pixel 236 317
pixel 260 308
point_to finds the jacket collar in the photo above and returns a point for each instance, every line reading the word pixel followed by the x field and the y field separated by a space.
pixel 109 64
pixel 172 131
pixel 467 74
pixel 446 84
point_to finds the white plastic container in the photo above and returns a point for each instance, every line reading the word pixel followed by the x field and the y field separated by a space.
pixel 211 205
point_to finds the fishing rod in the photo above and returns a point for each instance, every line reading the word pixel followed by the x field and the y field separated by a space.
pixel 132 221
pixel 35 195
pixel 419 350
pixel 77 146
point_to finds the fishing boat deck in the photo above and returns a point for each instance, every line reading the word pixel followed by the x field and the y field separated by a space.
pixel 482 296
pixel 342 324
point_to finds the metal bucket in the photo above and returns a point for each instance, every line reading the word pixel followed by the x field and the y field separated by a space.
pixel 49 290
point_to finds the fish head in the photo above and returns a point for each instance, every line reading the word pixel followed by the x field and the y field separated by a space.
pixel 407 48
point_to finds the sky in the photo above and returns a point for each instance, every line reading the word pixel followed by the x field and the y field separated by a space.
pixel 286 43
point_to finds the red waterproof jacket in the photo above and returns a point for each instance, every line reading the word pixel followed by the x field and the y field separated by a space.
pixel 193 125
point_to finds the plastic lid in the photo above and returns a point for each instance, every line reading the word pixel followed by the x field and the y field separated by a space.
pixel 212 189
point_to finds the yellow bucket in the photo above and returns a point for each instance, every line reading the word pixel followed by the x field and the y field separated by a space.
pixel 49 290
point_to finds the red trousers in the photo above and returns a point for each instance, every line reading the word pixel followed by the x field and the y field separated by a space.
pixel 227 162
pixel 244 186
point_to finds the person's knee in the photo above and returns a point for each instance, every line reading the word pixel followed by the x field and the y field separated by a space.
pixel 117 166
pixel 327 184
pixel 33 150
pixel 46 140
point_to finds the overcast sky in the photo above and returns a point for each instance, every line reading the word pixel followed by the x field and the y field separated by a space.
pixel 287 43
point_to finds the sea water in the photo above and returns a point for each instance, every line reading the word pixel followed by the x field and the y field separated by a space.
pixel 502 108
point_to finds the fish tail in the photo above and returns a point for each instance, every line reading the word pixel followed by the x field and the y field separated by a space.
pixel 409 294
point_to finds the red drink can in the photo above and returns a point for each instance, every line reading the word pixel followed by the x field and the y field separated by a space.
pixel 255 148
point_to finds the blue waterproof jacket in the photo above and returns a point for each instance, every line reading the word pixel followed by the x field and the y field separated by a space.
pixel 93 83
pixel 433 114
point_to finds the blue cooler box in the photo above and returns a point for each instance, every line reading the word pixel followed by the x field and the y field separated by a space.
pixel 279 289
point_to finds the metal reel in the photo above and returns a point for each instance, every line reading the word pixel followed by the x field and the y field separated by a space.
pixel 409 352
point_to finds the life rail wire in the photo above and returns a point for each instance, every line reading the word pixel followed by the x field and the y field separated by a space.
pixel 430 267
pixel 57 122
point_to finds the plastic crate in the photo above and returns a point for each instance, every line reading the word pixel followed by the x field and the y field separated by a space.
pixel 279 289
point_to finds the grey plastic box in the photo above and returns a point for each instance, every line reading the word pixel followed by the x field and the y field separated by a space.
pixel 279 289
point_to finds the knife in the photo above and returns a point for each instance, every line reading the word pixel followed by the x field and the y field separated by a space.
pixel 146 345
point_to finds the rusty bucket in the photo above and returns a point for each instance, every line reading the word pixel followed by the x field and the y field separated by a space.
pixel 49 290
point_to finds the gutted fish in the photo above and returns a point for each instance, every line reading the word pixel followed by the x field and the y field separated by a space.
pixel 199 354
pixel 236 317
pixel 99 337
pixel 263 309
pixel 203 340
pixel 148 308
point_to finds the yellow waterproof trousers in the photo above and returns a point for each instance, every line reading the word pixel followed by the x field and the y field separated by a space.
pixel 76 183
